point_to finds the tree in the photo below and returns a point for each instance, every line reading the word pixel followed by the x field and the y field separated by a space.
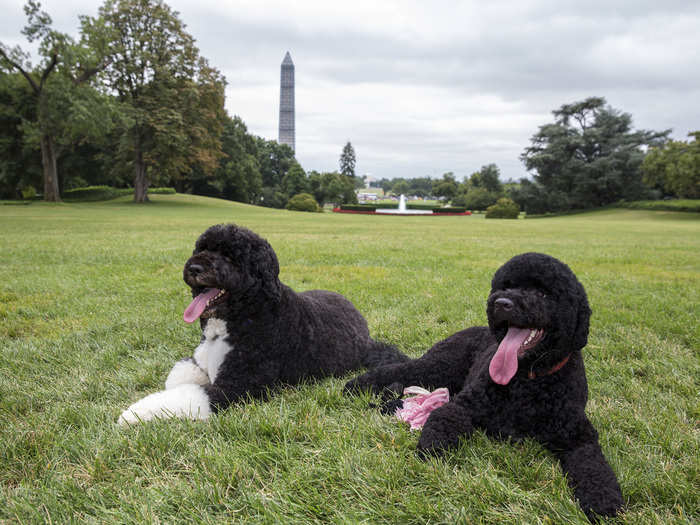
pixel 294 181
pixel 400 187
pixel 675 167
pixel 590 155
pixel 488 178
pixel 65 66
pixel 274 160
pixel 19 167
pixel 446 187
pixel 347 161
pixel 172 99
pixel 238 173
pixel 476 199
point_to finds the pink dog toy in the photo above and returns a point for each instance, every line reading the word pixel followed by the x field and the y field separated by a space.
pixel 416 409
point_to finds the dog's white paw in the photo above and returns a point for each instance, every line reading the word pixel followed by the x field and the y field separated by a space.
pixel 185 401
pixel 186 372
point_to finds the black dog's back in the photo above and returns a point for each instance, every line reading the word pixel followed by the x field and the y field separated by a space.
pixel 347 345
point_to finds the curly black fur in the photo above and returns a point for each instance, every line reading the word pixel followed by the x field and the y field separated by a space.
pixel 276 336
pixel 544 400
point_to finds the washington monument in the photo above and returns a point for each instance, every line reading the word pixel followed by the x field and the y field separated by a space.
pixel 286 134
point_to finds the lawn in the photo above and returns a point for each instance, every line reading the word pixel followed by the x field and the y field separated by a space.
pixel 91 306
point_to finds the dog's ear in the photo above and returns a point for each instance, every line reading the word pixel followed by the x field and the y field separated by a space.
pixel 583 318
pixel 266 269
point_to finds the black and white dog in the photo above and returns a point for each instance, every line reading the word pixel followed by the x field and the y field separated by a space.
pixel 256 331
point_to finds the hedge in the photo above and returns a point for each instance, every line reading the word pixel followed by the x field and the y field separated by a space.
pixel 420 206
pixel 453 209
pixel 691 205
pixel 105 193
pixel 359 207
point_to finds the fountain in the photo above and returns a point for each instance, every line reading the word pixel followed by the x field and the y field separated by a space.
pixel 402 210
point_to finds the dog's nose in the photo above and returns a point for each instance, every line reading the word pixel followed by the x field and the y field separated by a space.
pixel 503 303
pixel 195 269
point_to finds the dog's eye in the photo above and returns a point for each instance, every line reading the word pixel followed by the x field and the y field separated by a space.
pixel 540 293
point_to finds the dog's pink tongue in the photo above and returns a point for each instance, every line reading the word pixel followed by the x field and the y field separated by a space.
pixel 198 305
pixel 504 363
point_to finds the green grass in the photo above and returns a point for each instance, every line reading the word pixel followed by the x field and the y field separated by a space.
pixel 90 321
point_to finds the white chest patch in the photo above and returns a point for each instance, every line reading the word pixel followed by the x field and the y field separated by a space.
pixel 211 352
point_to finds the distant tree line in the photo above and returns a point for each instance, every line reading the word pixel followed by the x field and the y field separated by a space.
pixel 588 157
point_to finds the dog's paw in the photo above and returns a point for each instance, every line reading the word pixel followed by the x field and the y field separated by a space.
pixel 359 384
pixel 186 372
pixel 185 401
pixel 430 450
pixel 443 429
pixel 389 407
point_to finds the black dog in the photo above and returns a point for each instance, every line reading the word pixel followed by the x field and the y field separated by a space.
pixel 256 332
pixel 523 376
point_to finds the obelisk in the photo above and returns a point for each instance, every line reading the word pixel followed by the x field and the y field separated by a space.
pixel 286 131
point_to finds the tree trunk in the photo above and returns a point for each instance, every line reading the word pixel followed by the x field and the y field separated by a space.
pixel 48 160
pixel 140 180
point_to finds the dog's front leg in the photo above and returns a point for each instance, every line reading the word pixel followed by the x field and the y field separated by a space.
pixel 185 401
pixel 232 385
pixel 592 480
pixel 443 429
pixel 186 371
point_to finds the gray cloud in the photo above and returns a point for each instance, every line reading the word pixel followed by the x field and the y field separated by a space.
pixel 422 88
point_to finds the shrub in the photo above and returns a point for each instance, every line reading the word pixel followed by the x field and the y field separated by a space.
pixel 504 208
pixel 160 191
pixel 303 202
pixel 477 199
pixel 29 193
pixel 75 182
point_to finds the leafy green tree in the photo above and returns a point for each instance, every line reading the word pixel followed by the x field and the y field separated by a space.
pixel 446 187
pixel 675 167
pixel 477 199
pixel 420 186
pixel 488 178
pixel 400 187
pixel 19 166
pixel 272 197
pixel 590 155
pixel 333 187
pixel 274 160
pixel 171 98
pixel 63 111
pixel 347 160
pixel 238 172
pixel 295 181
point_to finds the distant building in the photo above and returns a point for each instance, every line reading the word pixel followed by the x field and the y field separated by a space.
pixel 286 131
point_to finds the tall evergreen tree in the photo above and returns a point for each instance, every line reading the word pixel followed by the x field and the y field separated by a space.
pixel 347 161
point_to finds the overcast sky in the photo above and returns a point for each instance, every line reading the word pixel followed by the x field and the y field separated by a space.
pixel 421 88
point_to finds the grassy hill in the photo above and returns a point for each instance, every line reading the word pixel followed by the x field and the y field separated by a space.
pixel 91 306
